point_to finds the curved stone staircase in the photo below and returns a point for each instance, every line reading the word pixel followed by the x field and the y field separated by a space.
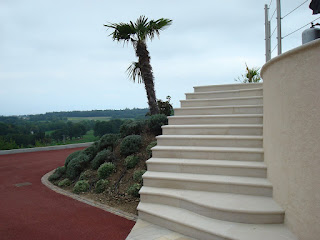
pixel 206 178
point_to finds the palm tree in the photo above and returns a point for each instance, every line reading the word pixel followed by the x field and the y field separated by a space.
pixel 137 33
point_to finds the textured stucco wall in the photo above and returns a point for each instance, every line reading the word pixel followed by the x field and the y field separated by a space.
pixel 292 136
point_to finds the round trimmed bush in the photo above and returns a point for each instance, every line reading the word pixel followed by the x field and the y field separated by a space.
pixel 148 148
pixel 64 183
pixel 101 185
pixel 134 189
pixel 131 161
pixel 76 166
pixel 88 175
pixel 57 173
pixel 91 151
pixel 137 175
pixel 72 156
pixel 103 156
pixel 81 186
pixel 108 141
pixel 130 145
pixel 155 122
pixel 105 170
pixel 131 127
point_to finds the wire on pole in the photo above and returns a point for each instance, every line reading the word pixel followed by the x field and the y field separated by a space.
pixel 300 28
pixel 273 14
pixel 270 3
pixel 274 30
pixel 294 9
pixel 274 48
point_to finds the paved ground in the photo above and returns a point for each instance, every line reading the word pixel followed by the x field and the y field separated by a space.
pixel 36 212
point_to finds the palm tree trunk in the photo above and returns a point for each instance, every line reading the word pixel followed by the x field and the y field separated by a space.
pixel 147 76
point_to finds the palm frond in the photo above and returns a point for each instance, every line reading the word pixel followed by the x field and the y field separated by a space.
pixel 122 31
pixel 134 72
pixel 154 27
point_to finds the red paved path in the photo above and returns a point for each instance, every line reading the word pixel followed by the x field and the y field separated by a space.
pixel 36 212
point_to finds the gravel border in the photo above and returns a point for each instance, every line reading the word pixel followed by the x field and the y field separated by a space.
pixel 90 202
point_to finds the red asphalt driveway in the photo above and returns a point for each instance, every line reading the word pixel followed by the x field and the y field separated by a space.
pixel 35 212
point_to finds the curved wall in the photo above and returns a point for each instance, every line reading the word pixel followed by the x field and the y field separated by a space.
pixel 291 90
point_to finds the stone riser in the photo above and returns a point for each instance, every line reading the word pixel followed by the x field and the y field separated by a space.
pixel 250 143
pixel 208 169
pixel 223 187
pixel 219 119
pixel 222 102
pixel 206 154
pixel 218 110
pixel 218 130
pixel 224 215
pixel 228 87
pixel 231 94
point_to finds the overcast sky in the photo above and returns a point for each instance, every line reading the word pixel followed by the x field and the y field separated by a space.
pixel 56 55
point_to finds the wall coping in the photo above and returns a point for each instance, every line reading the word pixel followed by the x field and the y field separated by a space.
pixel 302 48
pixel 40 149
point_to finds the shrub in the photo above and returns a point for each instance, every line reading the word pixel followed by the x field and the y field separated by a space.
pixel 76 166
pixel 81 186
pixel 87 175
pixel 137 175
pixel 105 170
pixel 165 107
pixel 91 151
pixel 131 161
pixel 64 183
pixel 148 148
pixel 103 156
pixel 131 127
pixel 134 189
pixel 101 185
pixel 71 156
pixel 108 141
pixel 57 173
pixel 155 122
pixel 130 145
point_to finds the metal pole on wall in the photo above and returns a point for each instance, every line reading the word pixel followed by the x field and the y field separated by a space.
pixel 279 27
pixel 267 33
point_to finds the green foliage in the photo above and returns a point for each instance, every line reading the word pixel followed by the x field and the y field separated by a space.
pixel 252 75
pixel 106 127
pixel 137 176
pixel 148 148
pixel 131 161
pixel 134 189
pixel 7 144
pixel 76 166
pixel 103 156
pixel 155 122
pixel 57 173
pixel 130 145
pixel 81 186
pixel 71 156
pixel 64 183
pixel 91 151
pixel 105 170
pixel 165 107
pixel 101 185
pixel 108 141
pixel 131 127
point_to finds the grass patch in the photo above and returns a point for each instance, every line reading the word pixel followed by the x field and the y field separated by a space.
pixel 79 119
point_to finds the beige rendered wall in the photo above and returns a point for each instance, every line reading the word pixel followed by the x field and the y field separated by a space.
pixel 291 90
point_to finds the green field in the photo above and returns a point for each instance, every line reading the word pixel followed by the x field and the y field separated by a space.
pixel 79 119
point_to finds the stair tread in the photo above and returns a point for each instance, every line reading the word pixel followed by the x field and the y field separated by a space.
pixel 217 116
pixel 201 162
pixel 221 201
pixel 228 230
pixel 234 180
pixel 232 84
pixel 229 91
pixel 222 99
pixel 218 107
pixel 216 149
pixel 236 137
pixel 214 126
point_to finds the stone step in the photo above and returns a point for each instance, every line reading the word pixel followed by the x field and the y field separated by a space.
pixel 211 153
pixel 214 129
pixel 209 183
pixel 226 94
pixel 210 140
pixel 204 228
pixel 241 109
pixel 222 102
pixel 226 87
pixel 215 167
pixel 222 206
pixel 216 119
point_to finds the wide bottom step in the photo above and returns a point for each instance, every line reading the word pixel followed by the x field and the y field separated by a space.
pixel 201 227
